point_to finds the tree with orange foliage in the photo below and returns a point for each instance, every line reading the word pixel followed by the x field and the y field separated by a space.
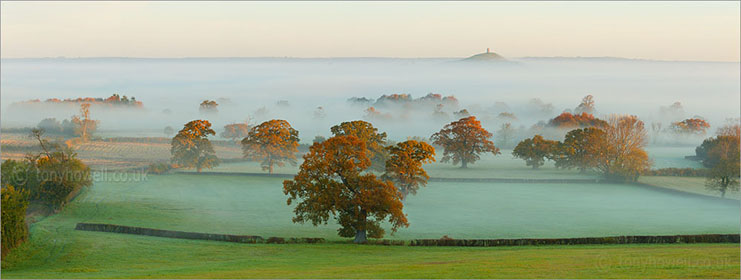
pixel 273 142
pixel 404 166
pixel 375 142
pixel 333 182
pixel 84 126
pixel 463 140
pixel 581 148
pixel 191 147
pixel 723 160
pixel 624 157
pixel 568 120
pixel 691 126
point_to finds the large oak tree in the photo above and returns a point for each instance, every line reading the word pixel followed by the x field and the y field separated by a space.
pixel 273 142
pixel 333 183
pixel 463 141
pixel 191 147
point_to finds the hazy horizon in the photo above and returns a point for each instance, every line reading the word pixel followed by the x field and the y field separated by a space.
pixel 673 31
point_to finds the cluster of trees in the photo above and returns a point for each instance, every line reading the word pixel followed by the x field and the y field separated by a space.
pixel 113 100
pixel 80 125
pixel 49 178
pixel 617 149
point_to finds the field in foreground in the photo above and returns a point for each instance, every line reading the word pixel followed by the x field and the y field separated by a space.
pixel 77 254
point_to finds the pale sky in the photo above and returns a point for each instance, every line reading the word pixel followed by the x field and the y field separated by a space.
pixel 659 30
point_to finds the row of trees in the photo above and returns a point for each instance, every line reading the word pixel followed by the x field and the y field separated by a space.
pixel 615 149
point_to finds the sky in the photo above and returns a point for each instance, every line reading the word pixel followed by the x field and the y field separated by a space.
pixel 694 31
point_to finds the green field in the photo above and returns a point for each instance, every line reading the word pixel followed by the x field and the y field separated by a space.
pixel 255 205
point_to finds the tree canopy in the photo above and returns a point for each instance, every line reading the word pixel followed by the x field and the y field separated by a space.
pixel 582 149
pixel 191 147
pixel 332 182
pixel 723 159
pixel 463 141
pixel 375 142
pixel 273 142
pixel 535 150
pixel 404 166
pixel 624 156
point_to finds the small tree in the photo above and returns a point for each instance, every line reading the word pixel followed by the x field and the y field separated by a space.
pixel 581 149
pixel 463 141
pixel 375 142
pixel 724 170
pixel 273 142
pixel 84 126
pixel 209 107
pixel 404 166
pixel 332 182
pixel 505 135
pixel 191 147
pixel 535 150
pixel 168 131
pixel 236 131
pixel 586 105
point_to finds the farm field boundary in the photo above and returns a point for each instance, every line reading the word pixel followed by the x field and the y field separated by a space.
pixel 432 179
pixel 662 239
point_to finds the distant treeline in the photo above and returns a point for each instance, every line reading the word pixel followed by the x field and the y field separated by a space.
pixel 113 100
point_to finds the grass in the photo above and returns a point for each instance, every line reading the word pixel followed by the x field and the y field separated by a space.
pixel 75 254
pixel 257 206
pixel 685 184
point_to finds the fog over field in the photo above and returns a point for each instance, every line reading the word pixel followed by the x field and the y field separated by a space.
pixel 252 88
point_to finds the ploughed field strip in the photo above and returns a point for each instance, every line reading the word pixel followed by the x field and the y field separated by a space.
pixel 700 238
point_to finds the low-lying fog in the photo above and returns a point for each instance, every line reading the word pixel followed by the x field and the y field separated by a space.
pixel 253 88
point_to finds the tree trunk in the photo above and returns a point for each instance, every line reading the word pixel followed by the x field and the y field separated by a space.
pixel 464 164
pixel 360 237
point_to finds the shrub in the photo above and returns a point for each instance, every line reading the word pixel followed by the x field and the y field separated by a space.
pixel 159 168
pixel 14 229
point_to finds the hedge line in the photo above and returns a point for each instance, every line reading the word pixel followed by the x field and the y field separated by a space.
pixel 662 239
pixel 702 238
pixel 193 235
pixel 169 233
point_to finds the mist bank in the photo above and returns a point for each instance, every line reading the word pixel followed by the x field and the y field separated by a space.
pixel 293 89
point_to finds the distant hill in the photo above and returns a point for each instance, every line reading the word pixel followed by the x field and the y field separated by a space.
pixel 487 56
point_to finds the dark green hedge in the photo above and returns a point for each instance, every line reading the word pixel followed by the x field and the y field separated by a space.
pixel 703 238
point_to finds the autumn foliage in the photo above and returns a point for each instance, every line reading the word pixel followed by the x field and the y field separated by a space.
pixel 582 149
pixel 568 120
pixel 375 142
pixel 332 183
pixel 273 143
pixel 191 147
pixel 463 141
pixel 691 126
pixel 404 166
pixel 624 156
